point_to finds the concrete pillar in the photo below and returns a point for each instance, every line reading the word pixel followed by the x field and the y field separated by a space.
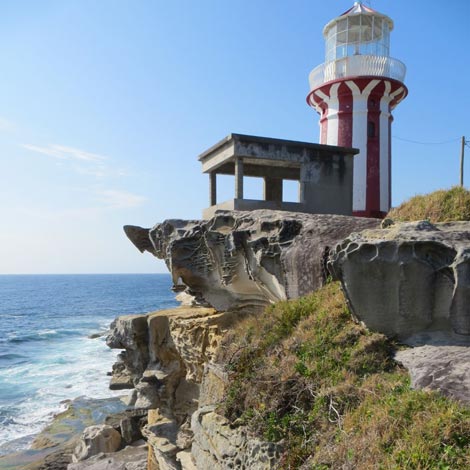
pixel 304 180
pixel 212 188
pixel 238 178
pixel 272 189
pixel 301 193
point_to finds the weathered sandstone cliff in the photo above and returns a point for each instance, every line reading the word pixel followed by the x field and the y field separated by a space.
pixel 402 280
pixel 247 259
pixel 235 263
pixel 169 363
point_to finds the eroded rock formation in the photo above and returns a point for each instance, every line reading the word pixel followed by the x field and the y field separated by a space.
pixel 247 259
pixel 401 280
pixel 177 363
pixel 408 278
pixel 234 263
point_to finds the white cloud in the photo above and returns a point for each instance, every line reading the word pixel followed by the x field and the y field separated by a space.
pixel 116 199
pixel 81 161
pixel 90 164
pixel 65 153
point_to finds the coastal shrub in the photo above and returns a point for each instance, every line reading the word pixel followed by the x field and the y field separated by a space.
pixel 439 206
pixel 306 375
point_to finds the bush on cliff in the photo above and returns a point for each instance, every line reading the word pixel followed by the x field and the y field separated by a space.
pixel 439 206
pixel 306 375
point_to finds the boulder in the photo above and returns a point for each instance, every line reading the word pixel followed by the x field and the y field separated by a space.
pixel 161 434
pixel 218 445
pixel 130 458
pixel 129 424
pixel 95 440
pixel 438 361
pixel 247 259
pixel 129 332
pixel 408 278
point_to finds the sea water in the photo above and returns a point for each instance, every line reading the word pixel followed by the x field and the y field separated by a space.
pixel 49 351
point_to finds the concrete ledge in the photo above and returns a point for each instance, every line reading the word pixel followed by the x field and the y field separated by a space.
pixel 252 204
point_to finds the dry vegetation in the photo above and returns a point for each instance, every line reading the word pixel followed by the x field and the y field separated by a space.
pixel 306 375
pixel 439 206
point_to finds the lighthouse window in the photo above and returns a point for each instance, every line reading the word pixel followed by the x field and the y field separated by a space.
pixel 342 25
pixel 378 28
pixel 354 32
pixel 370 129
pixel 357 34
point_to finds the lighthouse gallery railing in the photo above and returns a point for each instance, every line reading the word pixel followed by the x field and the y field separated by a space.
pixel 357 65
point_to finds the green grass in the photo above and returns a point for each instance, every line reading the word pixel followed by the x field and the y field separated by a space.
pixel 439 206
pixel 306 375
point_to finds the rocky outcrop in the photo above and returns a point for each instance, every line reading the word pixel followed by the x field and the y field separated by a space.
pixel 177 362
pixel 130 333
pixel 218 445
pixel 408 278
pixel 401 279
pixel 247 259
pixel 234 263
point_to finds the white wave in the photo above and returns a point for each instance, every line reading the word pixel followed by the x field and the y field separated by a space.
pixel 46 332
pixel 73 368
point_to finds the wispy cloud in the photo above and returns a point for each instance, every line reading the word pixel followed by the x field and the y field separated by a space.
pixel 90 164
pixel 116 199
pixel 80 161
pixel 65 153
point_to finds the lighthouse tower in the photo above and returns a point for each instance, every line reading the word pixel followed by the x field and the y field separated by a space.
pixel 354 92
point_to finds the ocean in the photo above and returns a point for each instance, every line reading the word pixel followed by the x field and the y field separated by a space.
pixel 49 351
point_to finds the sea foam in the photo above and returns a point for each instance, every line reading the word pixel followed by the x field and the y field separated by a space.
pixel 47 357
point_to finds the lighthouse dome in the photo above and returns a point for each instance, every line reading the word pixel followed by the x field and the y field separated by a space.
pixel 360 30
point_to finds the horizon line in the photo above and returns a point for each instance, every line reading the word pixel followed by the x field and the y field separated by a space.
pixel 81 274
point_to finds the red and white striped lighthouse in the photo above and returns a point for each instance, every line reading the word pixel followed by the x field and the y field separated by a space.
pixel 354 92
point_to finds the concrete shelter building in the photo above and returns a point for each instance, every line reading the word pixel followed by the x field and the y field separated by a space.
pixel 324 173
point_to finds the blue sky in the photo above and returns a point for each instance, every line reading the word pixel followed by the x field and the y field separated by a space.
pixel 105 106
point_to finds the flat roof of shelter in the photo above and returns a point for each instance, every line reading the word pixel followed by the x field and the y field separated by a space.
pixel 265 151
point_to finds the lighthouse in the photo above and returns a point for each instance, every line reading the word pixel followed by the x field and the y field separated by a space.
pixel 355 91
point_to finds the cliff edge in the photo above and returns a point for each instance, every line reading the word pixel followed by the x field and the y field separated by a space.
pixel 240 260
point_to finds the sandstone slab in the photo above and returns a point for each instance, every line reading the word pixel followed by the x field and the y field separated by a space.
pixel 408 278
pixel 439 361
pixel 130 458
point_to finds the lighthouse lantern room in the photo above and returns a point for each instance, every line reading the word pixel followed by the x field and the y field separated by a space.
pixel 354 92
